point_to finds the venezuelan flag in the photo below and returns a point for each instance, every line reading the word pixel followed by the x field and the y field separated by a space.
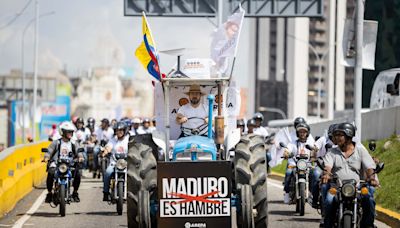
pixel 147 52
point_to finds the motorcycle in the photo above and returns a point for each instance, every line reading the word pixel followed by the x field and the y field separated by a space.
pixel 348 193
pixel 64 169
pixel 299 181
pixel 118 182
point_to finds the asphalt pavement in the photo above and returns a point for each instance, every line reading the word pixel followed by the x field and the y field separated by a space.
pixel 93 212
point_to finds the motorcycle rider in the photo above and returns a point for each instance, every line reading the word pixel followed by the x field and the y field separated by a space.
pixel 241 125
pixel 251 125
pixel 54 135
pixel 322 145
pixel 63 148
pixel 118 144
pixel 290 152
pixel 145 129
pixel 103 134
pixel 259 129
pixel 347 161
pixel 91 124
pixel 135 126
pixel 193 109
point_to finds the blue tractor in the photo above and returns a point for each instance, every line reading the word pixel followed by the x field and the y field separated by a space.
pixel 197 180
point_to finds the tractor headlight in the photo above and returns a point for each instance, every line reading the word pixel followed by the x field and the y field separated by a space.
pixel 348 190
pixel 302 164
pixel 121 164
pixel 63 168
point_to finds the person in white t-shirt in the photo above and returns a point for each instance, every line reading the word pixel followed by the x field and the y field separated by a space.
pixel 193 116
pixel 117 145
pixel 103 136
pixel 259 129
pixel 292 150
pixel 145 129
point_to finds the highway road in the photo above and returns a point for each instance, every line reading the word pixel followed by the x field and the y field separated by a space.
pixel 93 212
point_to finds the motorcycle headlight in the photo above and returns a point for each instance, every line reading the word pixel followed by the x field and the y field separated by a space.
pixel 348 190
pixel 121 164
pixel 302 165
pixel 63 168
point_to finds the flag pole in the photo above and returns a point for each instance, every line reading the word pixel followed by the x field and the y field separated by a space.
pixel 233 65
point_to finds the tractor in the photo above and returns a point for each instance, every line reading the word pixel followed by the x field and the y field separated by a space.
pixel 196 181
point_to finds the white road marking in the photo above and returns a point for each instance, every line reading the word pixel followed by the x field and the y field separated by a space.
pixel 4 225
pixel 31 211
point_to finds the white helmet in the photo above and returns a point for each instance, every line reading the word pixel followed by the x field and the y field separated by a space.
pixel 66 126
pixel 137 120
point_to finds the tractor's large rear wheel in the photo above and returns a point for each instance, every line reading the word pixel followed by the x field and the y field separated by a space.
pixel 142 176
pixel 251 169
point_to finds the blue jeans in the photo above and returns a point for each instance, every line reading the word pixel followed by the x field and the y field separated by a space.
pixel 269 158
pixel 314 183
pixel 288 175
pixel 107 178
pixel 367 204
pixel 96 151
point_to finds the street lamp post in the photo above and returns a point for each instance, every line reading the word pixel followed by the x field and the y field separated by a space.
pixel 35 68
pixel 23 71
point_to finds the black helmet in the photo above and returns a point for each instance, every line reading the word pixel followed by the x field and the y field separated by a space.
pixel 79 120
pixel 304 126
pixel 251 122
pixel 372 145
pixel 106 121
pixel 347 128
pixel 298 120
pixel 240 122
pixel 259 116
pixel 91 121
pixel 331 129
pixel 127 121
pixel 121 125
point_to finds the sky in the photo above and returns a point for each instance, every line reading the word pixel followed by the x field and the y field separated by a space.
pixel 91 33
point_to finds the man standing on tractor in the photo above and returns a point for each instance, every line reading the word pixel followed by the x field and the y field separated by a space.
pixel 193 115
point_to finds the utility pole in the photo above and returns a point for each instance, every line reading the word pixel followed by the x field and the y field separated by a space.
pixel 358 67
pixel 35 68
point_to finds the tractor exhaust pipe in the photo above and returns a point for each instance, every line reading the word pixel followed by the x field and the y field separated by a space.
pixel 210 98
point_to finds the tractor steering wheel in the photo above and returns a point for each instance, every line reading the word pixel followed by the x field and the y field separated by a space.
pixel 194 131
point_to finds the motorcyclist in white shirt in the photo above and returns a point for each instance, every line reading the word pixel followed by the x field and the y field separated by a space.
pixel 145 129
pixel 135 126
pixel 259 129
pixel 103 135
pixel 193 116
pixel 118 144
pixel 81 136
pixel 293 149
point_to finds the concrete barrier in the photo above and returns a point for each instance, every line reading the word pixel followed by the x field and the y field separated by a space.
pixel 21 169
pixel 376 124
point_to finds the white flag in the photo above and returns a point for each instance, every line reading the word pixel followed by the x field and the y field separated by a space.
pixel 226 39
pixel 276 151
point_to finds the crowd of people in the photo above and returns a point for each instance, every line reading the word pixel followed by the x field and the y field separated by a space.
pixel 338 151
pixel 108 138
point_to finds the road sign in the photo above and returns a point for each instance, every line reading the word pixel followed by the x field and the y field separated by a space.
pixel 209 8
